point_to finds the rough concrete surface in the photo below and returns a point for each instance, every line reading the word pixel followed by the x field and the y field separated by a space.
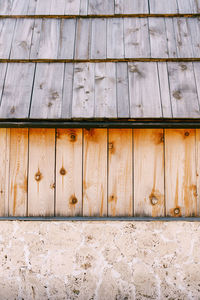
pixel 99 260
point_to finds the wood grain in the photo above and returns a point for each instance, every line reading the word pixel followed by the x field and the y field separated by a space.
pixel 4 176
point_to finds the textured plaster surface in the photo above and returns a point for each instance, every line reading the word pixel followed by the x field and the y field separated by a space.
pixel 99 260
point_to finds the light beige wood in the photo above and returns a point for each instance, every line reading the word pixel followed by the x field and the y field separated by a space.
pixel 41 182
pixel 18 172
pixel 198 169
pixel 95 173
pixel 180 172
pixel 149 172
pixel 120 174
pixel 3 172
pixel 69 172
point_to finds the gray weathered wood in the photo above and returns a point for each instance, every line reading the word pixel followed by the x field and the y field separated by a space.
pixel 105 90
pixel 98 45
pixel 101 7
pixel 57 7
pixel 184 6
pixel 196 66
pixel 194 29
pixel 164 90
pixel 123 104
pixel 83 39
pixel 163 6
pixel 144 89
pixel 22 39
pixel 17 91
pixel 67 39
pixel 47 92
pixel 158 39
pixel 6 35
pixel 32 7
pixel 183 90
pixel 115 38
pixel 36 38
pixel 66 111
pixel 131 6
pixel 136 38
pixel 72 7
pixel 171 41
pixel 3 68
pixel 19 7
pixel 83 91
pixel 5 7
pixel 43 7
pixel 83 7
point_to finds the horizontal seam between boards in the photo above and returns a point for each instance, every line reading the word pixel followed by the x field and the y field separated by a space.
pixel 103 219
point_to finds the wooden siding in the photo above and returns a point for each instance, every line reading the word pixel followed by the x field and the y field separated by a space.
pixel 99 172
pixel 100 90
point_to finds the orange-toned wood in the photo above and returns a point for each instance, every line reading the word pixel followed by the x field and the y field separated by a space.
pixel 69 172
pixel 18 172
pixel 95 173
pixel 149 172
pixel 120 174
pixel 180 172
pixel 198 169
pixel 41 181
pixel 4 168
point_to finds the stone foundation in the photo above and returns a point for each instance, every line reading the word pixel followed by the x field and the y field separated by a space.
pixel 99 260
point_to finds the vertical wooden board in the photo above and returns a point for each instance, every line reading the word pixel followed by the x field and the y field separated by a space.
pixel 184 6
pixel 47 91
pixel 164 90
pixel 19 7
pixel 32 7
pixel 35 43
pixel 3 172
pixel 115 38
pixel 66 110
pixel 105 90
pixel 67 39
pixel 196 66
pixel 101 7
pixel 83 7
pixel 158 38
pixel 5 7
pixel 83 91
pixel 7 27
pixel 41 179
pixel 183 38
pixel 131 7
pixel 57 7
pixel 98 45
pixel 3 68
pixel 194 28
pixel 120 173
pixel 163 6
pixel 69 172
pixel 180 173
pixel 17 91
pixel 18 180
pixel 22 39
pixel 43 7
pixel 49 39
pixel 144 102
pixel 136 38
pixel 195 4
pixel 149 172
pixel 95 173
pixel 198 169
pixel 171 41
pixel 183 90
pixel 83 39
pixel 72 7
pixel 123 103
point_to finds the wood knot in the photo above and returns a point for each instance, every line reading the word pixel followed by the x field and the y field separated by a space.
pixel 177 95
pixel 187 133
pixel 153 200
pixel 183 67
pixel 72 137
pixel 38 176
pixel 12 110
pixel 73 200
pixel 62 171
pixel 110 146
pixel 176 211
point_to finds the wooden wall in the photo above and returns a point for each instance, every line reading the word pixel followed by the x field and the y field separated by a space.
pixel 99 172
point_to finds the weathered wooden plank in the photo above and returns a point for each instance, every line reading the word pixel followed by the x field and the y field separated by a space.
pixel 105 90
pixel 18 193
pixel 69 172
pixel 95 173
pixel 98 45
pixel 17 91
pixel 41 182
pixel 47 92
pixel 158 38
pixel 163 6
pixel 180 172
pixel 149 172
pixel 83 91
pixel 183 37
pixel 3 68
pixel 171 41
pixel 183 90
pixel 144 90
pixel 131 7
pixel 184 6
pixel 123 103
pixel 57 7
pixel 19 7
pixel 43 7
pixel 66 110
pixel 83 7
pixel 49 39
pixel 120 173
pixel 194 29
pixel 67 39
pixel 101 7
pixel 6 34
pixel 115 38
pixel 136 37
pixel 164 90
pixel 5 7
pixel 22 39
pixel 35 43
pixel 83 39
pixel 32 7
pixel 72 7
pixel 4 163
pixel 198 169
pixel 196 66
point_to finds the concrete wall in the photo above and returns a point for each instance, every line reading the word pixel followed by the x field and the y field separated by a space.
pixel 96 260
